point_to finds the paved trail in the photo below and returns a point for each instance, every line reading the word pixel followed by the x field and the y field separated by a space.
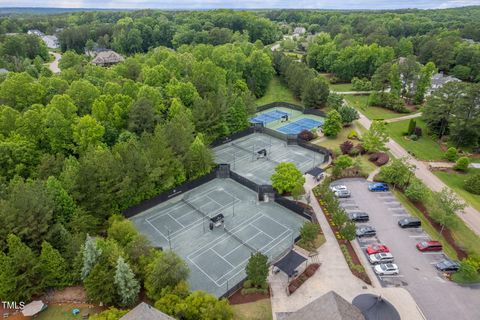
pixel 54 64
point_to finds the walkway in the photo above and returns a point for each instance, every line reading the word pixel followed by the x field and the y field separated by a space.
pixel 53 66
pixel 410 116
pixel 333 274
pixel 352 92
pixel 470 216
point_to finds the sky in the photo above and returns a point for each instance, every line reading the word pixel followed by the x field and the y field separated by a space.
pixel 242 4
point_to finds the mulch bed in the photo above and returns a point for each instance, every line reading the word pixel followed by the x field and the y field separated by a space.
pixel 448 170
pixel 239 298
pixel 302 278
pixel 447 234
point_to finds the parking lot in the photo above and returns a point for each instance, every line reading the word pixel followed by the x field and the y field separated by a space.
pixel 438 298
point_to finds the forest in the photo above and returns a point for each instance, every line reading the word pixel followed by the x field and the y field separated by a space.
pixel 79 147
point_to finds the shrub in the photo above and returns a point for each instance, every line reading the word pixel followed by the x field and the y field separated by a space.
pixel 416 191
pixel 354 152
pixel 361 84
pixel 472 184
pixel 451 154
pixel 333 80
pixel 417 131
pixel 346 146
pixel 306 135
pixel 360 148
pixel 413 137
pixel 388 101
pixel 462 164
pixel 247 284
pixel 352 135
pixel 411 126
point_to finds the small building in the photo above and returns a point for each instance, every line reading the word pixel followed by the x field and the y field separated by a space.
pixel 51 41
pixel 107 58
pixel 299 31
pixel 36 32
pixel 330 306
pixel 145 312
pixel 3 71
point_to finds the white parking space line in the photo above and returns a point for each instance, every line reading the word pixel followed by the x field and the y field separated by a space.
pixel 397 276
pixel 419 236
pixel 433 253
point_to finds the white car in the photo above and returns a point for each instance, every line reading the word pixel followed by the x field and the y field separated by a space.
pixel 385 269
pixel 382 257
pixel 338 187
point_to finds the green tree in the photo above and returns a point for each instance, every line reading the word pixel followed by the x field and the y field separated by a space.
pixel 87 132
pixel 90 255
pixel 83 94
pixel 341 163
pixel 315 93
pixel 51 267
pixel 298 191
pixel 258 72
pixel 110 314
pixel 411 126
pixel 417 191
pixel 203 306
pixel 20 91
pixel 199 158
pixel 424 82
pixel 376 137
pixel 257 269
pixel 166 270
pixel 348 231
pixel 100 285
pixel 467 271
pixel 348 114
pixel 451 154
pixel 333 124
pixel 462 164
pixel 141 117
pixel 472 184
pixel 398 172
pixel 127 286
pixel 309 232
pixel 444 207
pixel 286 177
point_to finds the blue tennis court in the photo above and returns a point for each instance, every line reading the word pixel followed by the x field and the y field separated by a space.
pixel 298 126
pixel 269 117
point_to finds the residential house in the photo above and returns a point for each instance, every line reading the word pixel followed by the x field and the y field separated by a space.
pixel 107 58
pixel 145 312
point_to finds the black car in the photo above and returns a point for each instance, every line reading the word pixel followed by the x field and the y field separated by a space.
pixel 447 265
pixel 409 222
pixel 366 231
pixel 358 216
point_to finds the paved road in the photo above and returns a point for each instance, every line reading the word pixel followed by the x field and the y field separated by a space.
pixel 438 298
pixel 54 64
pixel 410 116
pixel 470 216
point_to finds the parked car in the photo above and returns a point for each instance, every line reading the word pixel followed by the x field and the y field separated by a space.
pixel 409 222
pixel 358 216
pixel 377 248
pixel 338 187
pixel 383 257
pixel 447 265
pixel 429 246
pixel 386 269
pixel 378 186
pixel 366 231
pixel 342 194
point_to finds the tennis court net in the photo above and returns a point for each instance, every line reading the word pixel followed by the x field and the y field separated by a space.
pixel 196 209
pixel 239 240
pixel 241 148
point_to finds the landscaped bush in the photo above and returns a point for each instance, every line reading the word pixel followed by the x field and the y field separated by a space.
pixel 360 148
pixel 352 135
pixel 462 164
pixel 472 184
pixel 354 152
pixel 388 101
pixel 361 84
pixel 306 135
pixel 451 154
pixel 414 137
pixel 346 146
pixel 379 158
pixel 416 191
pixel 417 131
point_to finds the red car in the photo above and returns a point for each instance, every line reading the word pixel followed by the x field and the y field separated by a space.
pixel 377 248
pixel 429 246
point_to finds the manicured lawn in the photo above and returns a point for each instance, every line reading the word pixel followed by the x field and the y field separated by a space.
pixel 424 148
pixel 456 181
pixel 277 91
pixel 258 310
pixel 63 312
pixel 432 232
pixel 340 87
pixel 361 104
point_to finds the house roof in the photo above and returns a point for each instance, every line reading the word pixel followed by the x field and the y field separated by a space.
pixel 145 312
pixel 440 79
pixel 330 306
pixel 33 308
pixel 3 71
pixel 107 57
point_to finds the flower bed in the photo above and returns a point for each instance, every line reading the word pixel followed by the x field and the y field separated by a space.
pixel 349 253
pixel 298 281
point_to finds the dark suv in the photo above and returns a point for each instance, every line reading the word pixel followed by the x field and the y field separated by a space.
pixel 358 216
pixel 409 222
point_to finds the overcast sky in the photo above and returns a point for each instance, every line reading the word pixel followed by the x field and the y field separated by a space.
pixel 242 4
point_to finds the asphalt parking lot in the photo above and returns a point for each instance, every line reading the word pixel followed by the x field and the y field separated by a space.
pixel 438 298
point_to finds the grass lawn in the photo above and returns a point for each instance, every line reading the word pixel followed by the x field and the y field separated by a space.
pixel 64 312
pixel 317 243
pixel 258 310
pixel 424 148
pixel 456 180
pixel 277 91
pixel 360 103
pixel 341 87
pixel 432 232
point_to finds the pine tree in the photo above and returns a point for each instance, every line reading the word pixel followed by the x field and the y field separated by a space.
pixel 199 158
pixel 52 267
pixel 90 256
pixel 127 286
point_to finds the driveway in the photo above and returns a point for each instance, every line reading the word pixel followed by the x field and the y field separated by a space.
pixel 54 64
pixel 438 298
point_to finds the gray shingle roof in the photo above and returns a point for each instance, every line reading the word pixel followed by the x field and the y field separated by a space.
pixel 145 312
pixel 107 57
pixel 330 306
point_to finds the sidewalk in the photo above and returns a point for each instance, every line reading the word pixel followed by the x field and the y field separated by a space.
pixel 333 274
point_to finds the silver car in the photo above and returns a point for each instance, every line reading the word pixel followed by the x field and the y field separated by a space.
pixel 342 194
pixel 382 257
pixel 385 269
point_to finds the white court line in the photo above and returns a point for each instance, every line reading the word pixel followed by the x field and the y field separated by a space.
pixel 222 257
pixel 160 232
pixel 262 232
pixel 183 226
